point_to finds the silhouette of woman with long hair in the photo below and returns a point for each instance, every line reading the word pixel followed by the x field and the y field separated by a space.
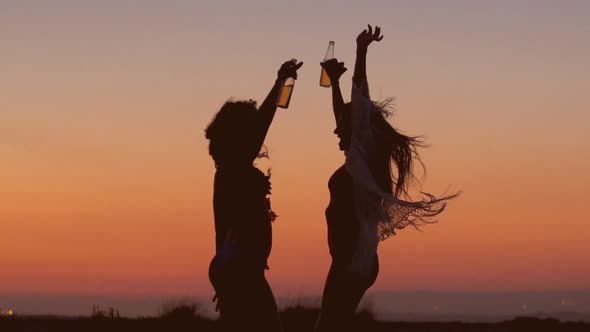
pixel 243 231
pixel 368 194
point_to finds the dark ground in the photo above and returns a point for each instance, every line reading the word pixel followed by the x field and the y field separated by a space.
pixel 294 319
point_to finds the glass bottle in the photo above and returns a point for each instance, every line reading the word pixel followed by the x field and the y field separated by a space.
pixel 286 91
pixel 324 79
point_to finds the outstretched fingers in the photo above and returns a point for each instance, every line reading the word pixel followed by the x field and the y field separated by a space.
pixel 369 35
pixel 377 35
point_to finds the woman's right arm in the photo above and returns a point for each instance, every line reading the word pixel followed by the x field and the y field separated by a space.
pixel 268 108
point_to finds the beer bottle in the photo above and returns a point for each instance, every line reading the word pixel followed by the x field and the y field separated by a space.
pixel 324 79
pixel 286 90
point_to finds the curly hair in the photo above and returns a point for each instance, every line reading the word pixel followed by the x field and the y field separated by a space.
pixel 230 133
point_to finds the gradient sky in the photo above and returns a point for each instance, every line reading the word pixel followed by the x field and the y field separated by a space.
pixel 106 183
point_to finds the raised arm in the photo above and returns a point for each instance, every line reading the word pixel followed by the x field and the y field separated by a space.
pixel 363 41
pixel 363 139
pixel 268 108
pixel 335 69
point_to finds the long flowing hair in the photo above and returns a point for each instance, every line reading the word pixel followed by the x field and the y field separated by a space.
pixel 396 154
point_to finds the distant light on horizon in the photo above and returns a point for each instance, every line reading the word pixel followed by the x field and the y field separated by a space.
pixel 8 312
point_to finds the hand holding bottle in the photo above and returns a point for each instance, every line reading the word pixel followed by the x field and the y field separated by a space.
pixel 289 69
pixel 334 69
pixel 287 75
pixel 324 78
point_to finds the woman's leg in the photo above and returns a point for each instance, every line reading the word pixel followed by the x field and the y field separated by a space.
pixel 245 299
pixel 219 276
pixel 253 302
pixel 342 295
pixel 364 284
pixel 332 306
pixel 338 301
pixel 264 304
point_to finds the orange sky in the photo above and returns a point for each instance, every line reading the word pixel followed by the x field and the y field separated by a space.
pixel 106 185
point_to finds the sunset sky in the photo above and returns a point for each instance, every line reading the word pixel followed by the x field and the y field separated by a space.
pixel 106 183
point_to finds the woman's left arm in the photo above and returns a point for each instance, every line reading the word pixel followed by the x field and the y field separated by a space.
pixel 363 141
pixel 363 40
pixel 360 99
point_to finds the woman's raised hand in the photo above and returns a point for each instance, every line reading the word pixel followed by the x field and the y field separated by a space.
pixel 334 69
pixel 366 37
pixel 289 69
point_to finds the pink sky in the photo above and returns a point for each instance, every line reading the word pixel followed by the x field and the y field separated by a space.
pixel 106 185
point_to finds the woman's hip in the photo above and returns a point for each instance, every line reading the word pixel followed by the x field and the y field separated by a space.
pixel 343 269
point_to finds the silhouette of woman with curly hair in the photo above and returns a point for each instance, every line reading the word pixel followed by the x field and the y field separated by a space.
pixel 243 217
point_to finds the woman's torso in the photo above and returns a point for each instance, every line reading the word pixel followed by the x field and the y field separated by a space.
pixel 343 225
pixel 241 207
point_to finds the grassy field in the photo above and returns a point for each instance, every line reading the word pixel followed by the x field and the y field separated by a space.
pixel 294 319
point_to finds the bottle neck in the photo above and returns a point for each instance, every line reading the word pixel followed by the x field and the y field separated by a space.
pixel 329 52
pixel 289 81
